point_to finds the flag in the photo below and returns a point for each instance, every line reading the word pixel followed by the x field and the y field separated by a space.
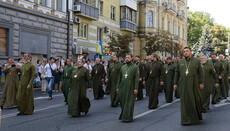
pixel 100 48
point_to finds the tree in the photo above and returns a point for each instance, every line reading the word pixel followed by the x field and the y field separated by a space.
pixel 219 33
pixel 196 22
pixel 205 43
pixel 151 46
pixel 120 43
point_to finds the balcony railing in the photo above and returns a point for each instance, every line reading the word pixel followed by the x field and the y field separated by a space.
pixel 86 10
pixel 128 25
pixel 171 8
pixel 181 14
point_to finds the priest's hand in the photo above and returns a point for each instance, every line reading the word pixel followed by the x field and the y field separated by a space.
pixel 175 87
pixel 28 87
pixel 216 85
pixel 18 67
pixel 162 83
pixel 220 77
pixel 201 86
pixel 102 80
pixel 143 82
pixel 117 90
pixel 9 67
pixel 140 79
pixel 229 77
pixel 135 92
pixel 106 80
pixel 90 89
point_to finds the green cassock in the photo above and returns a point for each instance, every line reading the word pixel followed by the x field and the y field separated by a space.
pixel 177 94
pixel 108 84
pixel 11 86
pixel 128 81
pixel 224 89
pixel 189 75
pixel 112 75
pixel 25 97
pixel 169 71
pixel 210 78
pixel 66 78
pixel 98 73
pixel 77 100
pixel 142 76
pixel 154 77
pixel 147 70
pixel 218 66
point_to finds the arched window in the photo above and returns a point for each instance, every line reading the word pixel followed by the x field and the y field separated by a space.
pixel 150 19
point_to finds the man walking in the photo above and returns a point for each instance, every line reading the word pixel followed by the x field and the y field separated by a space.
pixel 25 94
pixel 189 76
pixel 142 77
pixel 98 74
pixel 127 88
pixel 66 79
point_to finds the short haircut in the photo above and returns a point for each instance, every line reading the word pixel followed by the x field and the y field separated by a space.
pixel 169 58
pixel 10 58
pixel 138 56
pixel 69 59
pixel 204 56
pixel 129 55
pixel 51 58
pixel 155 55
pixel 29 55
pixel 116 56
pixel 213 54
pixel 38 61
pixel 81 60
pixel 187 48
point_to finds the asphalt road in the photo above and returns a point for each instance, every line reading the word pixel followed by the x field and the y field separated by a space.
pixel 51 115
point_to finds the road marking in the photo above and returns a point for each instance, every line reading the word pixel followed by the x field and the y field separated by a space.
pixel 150 111
pixel 46 97
pixel 222 102
pixel 42 109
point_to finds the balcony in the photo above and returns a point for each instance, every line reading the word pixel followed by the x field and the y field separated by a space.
pixel 181 2
pixel 128 25
pixel 171 9
pixel 86 10
pixel 181 15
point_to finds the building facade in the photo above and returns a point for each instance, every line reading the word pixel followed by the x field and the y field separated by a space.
pixel 161 15
pixel 95 20
pixel 38 27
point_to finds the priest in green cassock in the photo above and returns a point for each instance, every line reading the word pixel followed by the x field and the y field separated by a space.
pixel 177 95
pixel 25 94
pixel 210 77
pixel 108 83
pixel 147 70
pixel 154 78
pixel 112 75
pixel 224 86
pixel 219 68
pixel 11 84
pixel 169 71
pixel 66 78
pixel 77 100
pixel 142 77
pixel 127 88
pixel 189 77
pixel 98 74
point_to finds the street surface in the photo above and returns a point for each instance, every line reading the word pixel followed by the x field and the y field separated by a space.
pixel 51 115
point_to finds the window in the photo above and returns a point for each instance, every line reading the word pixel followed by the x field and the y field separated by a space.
pixel 163 23
pixel 123 12
pixel 134 16
pixel 43 2
pixel 85 1
pixel 179 32
pixel 3 41
pixel 173 28
pixel 150 19
pixel 99 34
pixel 101 8
pixel 128 14
pixel 59 5
pixel 168 26
pixel 183 34
pixel 85 30
pixel 113 10
pixel 79 30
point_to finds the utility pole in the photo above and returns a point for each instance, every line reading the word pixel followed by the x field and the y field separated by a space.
pixel 68 28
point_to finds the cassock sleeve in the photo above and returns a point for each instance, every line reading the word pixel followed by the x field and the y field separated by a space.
pixel 161 72
pixel 137 77
pixel 88 78
pixel 119 79
pixel 221 70
pixel 32 75
pixel 177 74
pixel 6 69
pixel 214 74
pixel 201 73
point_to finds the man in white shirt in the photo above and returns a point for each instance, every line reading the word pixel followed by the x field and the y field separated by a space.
pixel 88 66
pixel 50 77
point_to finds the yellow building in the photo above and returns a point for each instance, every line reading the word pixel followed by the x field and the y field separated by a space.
pixel 161 15
pixel 95 20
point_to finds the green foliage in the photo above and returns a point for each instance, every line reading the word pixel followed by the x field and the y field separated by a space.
pixel 206 40
pixel 120 43
pixel 196 22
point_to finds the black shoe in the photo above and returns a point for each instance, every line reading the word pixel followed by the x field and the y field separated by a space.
pixel 86 112
pixel 213 102
pixel 66 103
pixel 20 114
pixel 208 109
pixel 203 111
pixel 1 107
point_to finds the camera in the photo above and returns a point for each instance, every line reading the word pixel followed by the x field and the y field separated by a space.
pixel 13 65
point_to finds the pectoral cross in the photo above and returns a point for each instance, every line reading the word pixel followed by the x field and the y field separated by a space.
pixel 75 76
pixel 66 74
pixel 96 71
pixel 186 72
pixel 126 75
pixel 166 72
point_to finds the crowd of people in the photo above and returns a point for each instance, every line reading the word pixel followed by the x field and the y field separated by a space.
pixel 194 79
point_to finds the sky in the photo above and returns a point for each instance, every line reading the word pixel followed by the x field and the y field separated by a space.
pixel 219 9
